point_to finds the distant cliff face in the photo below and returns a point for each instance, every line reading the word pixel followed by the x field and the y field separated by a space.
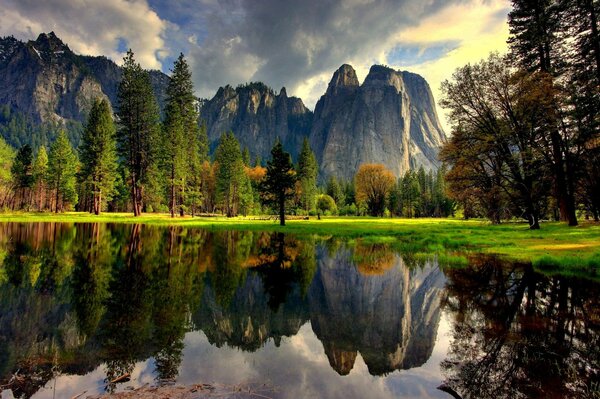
pixel 46 81
pixel 257 116
pixel 389 119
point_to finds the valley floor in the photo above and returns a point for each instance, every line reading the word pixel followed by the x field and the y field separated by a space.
pixel 554 246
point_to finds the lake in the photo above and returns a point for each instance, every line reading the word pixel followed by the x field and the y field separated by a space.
pixel 289 317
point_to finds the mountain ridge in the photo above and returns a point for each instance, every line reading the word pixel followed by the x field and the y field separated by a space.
pixel 390 118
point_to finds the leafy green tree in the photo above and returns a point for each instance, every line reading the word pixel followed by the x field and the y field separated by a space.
pixel 307 175
pixel 279 180
pixel 7 155
pixel 326 204
pixel 230 175
pixel 98 155
pixel 40 172
pixel 62 170
pixel 138 130
pixel 21 171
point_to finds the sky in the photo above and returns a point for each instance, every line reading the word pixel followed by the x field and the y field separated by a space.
pixel 297 44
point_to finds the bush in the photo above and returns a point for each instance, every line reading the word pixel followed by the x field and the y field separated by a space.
pixel 326 205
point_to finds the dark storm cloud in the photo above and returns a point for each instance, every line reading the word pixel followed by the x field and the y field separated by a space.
pixel 288 42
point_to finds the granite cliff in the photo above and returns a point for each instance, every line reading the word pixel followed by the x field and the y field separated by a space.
pixel 389 119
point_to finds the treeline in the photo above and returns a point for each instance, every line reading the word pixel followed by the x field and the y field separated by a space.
pixel 133 161
pixel 525 127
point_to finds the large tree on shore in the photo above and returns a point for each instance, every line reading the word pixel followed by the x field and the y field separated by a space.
pixel 187 149
pixel 138 130
pixel 231 180
pixel 500 116
pixel 62 171
pixel 279 181
pixel 537 48
pixel 98 155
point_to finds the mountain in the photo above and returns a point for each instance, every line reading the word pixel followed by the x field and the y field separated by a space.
pixel 389 119
pixel 44 81
pixel 258 117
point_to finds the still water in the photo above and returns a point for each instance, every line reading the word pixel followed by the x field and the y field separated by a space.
pixel 302 317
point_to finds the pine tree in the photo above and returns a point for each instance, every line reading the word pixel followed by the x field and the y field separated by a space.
pixel 175 156
pixel 279 180
pixel 40 172
pixel 194 142
pixel 138 130
pixel 230 175
pixel 62 170
pixel 335 191
pixel 22 175
pixel 246 156
pixel 98 154
pixel 307 175
pixel 534 44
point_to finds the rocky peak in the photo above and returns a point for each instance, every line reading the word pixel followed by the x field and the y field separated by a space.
pixel 48 46
pixel 283 93
pixel 345 76
pixel 8 46
pixel 382 76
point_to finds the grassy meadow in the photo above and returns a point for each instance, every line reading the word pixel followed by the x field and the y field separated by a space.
pixel 554 247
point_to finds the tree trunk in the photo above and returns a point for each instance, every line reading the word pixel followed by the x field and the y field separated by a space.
pixel 97 203
pixel 172 199
pixel 56 198
pixel 282 211
pixel 134 195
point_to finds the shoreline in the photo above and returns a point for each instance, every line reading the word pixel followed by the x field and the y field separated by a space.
pixel 554 247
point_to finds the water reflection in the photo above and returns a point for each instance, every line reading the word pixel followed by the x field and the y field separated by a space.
pixel 81 305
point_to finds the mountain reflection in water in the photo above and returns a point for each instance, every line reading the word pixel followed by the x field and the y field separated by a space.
pixel 81 305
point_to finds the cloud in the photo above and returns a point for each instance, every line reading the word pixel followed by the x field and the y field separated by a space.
pixel 94 27
pixel 476 27
pixel 296 44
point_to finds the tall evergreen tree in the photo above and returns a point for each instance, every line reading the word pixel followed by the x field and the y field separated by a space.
pixel 175 155
pixel 279 180
pixel 307 175
pixel 138 130
pixel 40 172
pixel 535 45
pixel 62 170
pixel 22 175
pixel 98 154
pixel 194 142
pixel 230 175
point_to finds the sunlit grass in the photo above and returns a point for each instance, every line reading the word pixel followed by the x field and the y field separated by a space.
pixel 555 244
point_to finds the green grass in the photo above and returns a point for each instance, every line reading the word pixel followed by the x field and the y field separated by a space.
pixel 554 246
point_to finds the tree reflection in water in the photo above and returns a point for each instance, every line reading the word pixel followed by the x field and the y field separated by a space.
pixel 518 334
pixel 76 297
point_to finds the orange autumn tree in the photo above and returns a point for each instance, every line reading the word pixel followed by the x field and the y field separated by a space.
pixel 373 183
